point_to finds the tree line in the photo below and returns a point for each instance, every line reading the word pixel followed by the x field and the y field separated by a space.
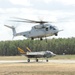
pixel 58 46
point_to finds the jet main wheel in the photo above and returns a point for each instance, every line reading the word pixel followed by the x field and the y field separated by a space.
pixel 28 60
pixel 36 60
pixel 47 60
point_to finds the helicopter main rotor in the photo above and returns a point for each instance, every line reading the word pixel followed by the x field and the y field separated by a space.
pixel 29 21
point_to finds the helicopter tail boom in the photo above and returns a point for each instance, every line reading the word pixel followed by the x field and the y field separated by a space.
pixel 13 29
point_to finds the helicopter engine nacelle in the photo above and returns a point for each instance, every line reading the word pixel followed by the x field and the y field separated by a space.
pixel 38 26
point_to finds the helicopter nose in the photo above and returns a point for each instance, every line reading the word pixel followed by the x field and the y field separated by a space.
pixel 59 30
pixel 56 33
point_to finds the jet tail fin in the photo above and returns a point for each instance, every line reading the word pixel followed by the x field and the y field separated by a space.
pixel 28 49
pixel 21 50
pixel 13 29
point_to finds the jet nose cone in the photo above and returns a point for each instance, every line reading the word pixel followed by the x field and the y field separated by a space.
pixel 54 54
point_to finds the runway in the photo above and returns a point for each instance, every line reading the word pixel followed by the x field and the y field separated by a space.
pixel 40 61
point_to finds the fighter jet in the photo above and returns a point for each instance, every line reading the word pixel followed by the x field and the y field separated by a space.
pixel 40 54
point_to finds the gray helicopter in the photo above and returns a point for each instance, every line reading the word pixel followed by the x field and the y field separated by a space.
pixel 43 29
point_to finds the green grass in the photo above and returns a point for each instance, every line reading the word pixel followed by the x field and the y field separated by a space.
pixel 12 58
pixel 57 57
pixel 71 57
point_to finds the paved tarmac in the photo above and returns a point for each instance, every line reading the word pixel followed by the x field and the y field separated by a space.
pixel 25 61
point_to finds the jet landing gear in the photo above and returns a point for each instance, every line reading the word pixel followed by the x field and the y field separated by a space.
pixel 47 60
pixel 36 60
pixel 28 60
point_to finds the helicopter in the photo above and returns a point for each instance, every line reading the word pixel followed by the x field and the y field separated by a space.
pixel 43 29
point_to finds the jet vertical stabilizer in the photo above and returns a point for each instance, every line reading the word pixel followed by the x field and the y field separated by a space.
pixel 21 50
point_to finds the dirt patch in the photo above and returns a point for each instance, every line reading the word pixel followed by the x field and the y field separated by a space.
pixel 37 69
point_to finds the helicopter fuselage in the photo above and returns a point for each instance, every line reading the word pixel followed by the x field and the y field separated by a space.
pixel 39 31
pixel 43 29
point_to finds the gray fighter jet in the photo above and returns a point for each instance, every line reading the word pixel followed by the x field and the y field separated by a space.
pixel 40 54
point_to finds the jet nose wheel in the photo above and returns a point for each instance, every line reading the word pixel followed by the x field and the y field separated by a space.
pixel 47 60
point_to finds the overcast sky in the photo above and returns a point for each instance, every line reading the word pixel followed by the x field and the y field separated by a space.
pixel 62 12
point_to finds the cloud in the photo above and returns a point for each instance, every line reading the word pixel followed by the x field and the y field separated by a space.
pixel 47 1
pixel 20 2
pixel 67 2
pixel 1 10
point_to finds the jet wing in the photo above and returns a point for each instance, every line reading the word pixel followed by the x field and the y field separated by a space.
pixel 35 54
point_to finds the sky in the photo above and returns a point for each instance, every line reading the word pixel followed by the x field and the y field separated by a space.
pixel 60 12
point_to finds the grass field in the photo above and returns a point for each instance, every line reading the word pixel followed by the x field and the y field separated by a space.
pixel 33 68
pixel 37 69
pixel 71 57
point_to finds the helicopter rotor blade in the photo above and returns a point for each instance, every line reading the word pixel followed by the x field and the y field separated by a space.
pixel 18 21
pixel 29 21
pixel 22 19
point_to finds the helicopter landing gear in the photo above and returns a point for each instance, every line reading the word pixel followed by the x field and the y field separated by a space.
pixel 32 38
pixel 56 34
pixel 41 39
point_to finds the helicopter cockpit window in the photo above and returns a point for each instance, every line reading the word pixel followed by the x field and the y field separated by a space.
pixel 51 27
pixel 54 28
